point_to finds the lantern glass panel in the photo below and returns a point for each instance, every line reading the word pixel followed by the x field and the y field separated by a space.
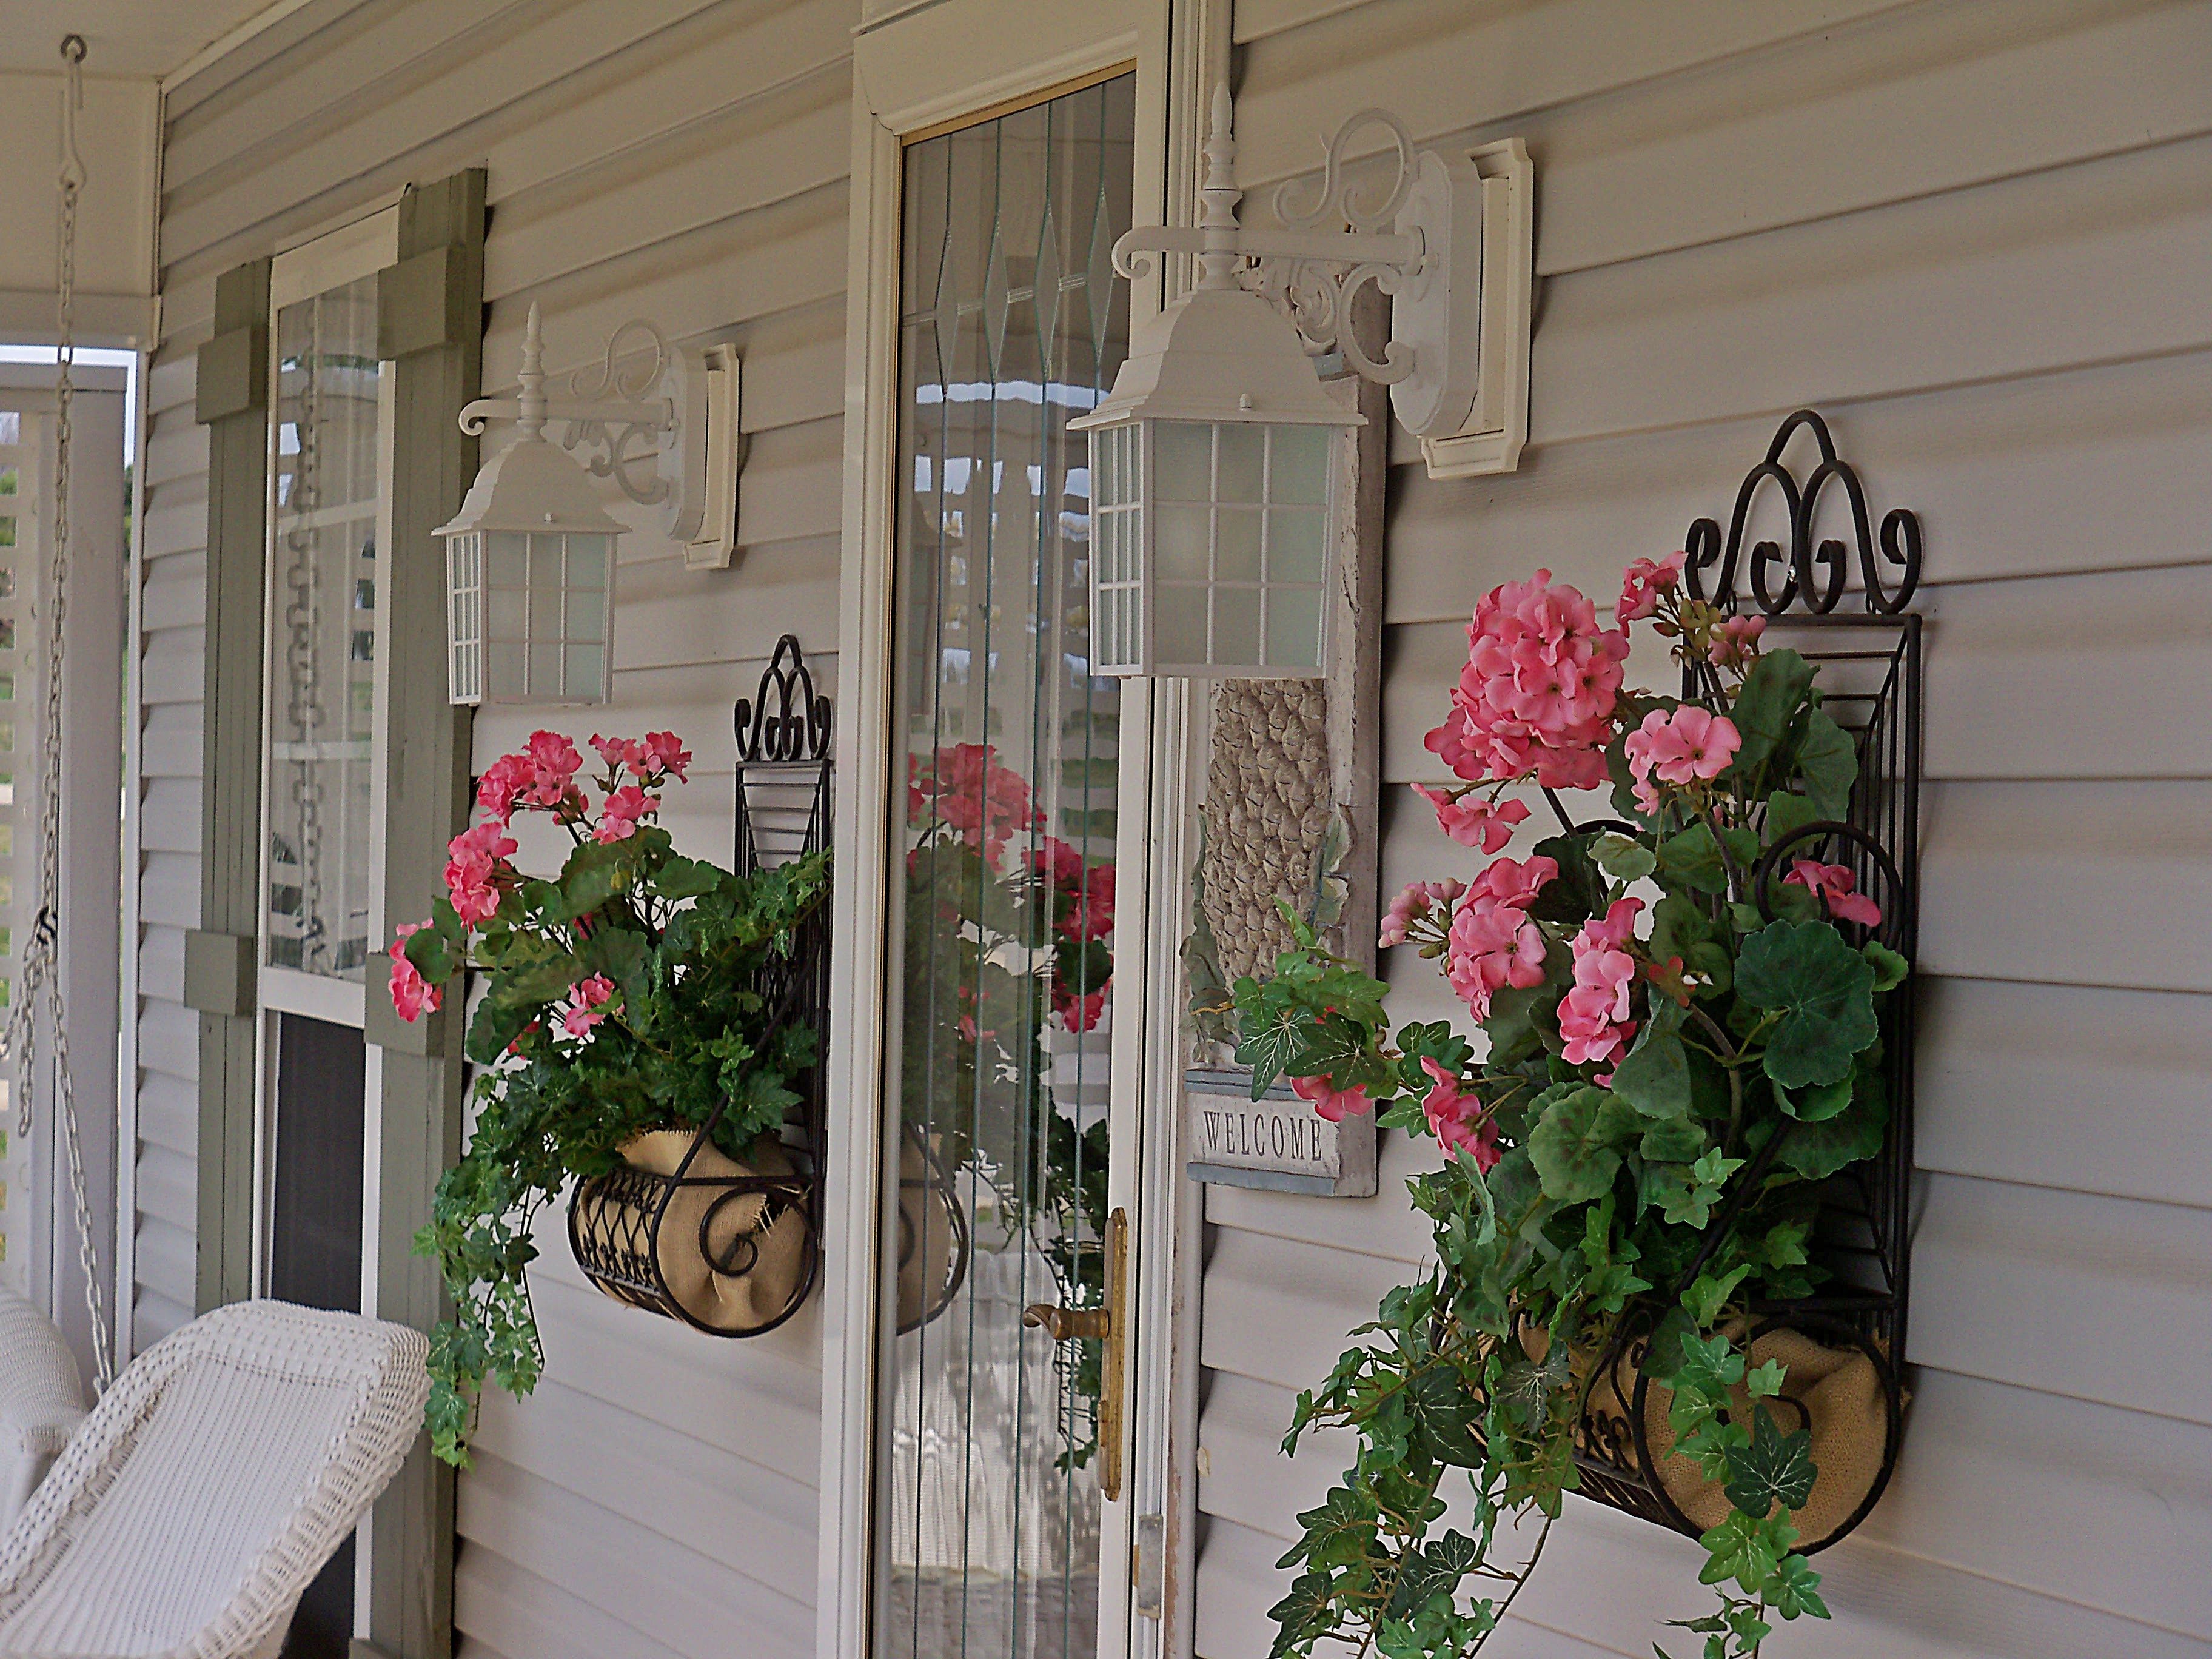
pixel 1294 545
pixel 1179 620
pixel 1242 451
pixel 1299 464
pixel 1236 544
pixel 1180 536
pixel 1293 628
pixel 1236 626
pixel 1182 461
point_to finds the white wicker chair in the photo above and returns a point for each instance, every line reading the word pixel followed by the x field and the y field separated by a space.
pixel 207 1489
pixel 41 1401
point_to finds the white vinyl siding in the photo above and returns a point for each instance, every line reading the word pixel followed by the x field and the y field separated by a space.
pixel 1977 237
pixel 673 159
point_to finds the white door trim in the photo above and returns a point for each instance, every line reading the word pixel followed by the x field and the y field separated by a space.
pixel 913 72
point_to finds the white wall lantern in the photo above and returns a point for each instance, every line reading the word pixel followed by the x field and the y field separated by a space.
pixel 530 558
pixel 1211 466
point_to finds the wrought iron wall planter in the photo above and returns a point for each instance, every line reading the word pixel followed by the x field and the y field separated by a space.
pixel 726 1249
pixel 1870 664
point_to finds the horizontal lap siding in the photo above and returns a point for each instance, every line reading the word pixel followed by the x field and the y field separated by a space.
pixel 681 161
pixel 1976 237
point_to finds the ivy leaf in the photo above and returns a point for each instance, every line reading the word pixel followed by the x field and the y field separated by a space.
pixel 1822 989
pixel 1709 1294
pixel 1341 1532
pixel 1655 1078
pixel 1764 1382
pixel 1791 1588
pixel 1765 705
pixel 1622 858
pixel 1443 1412
pixel 1828 761
pixel 1329 1048
pixel 1575 1146
pixel 1270 1048
pixel 1435 1569
pixel 1747 1549
pixel 1890 970
pixel 1526 1388
pixel 1775 1469
pixel 1305 1615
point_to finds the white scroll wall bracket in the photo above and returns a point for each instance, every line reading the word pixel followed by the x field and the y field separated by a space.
pixel 663 422
pixel 1449 241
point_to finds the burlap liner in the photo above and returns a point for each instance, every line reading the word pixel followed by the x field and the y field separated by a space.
pixel 1836 1392
pixel 724 1302
pixel 926 1241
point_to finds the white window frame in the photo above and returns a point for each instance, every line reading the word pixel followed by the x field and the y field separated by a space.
pixel 331 260
pixel 916 71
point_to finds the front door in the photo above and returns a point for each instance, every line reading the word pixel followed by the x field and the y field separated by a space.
pixel 996 1399
pixel 329 450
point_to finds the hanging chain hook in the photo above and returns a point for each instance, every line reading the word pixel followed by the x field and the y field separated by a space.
pixel 41 987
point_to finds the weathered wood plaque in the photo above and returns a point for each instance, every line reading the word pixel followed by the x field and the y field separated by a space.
pixel 1277 1141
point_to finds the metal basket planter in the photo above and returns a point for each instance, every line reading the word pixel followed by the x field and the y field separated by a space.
pixel 734 1246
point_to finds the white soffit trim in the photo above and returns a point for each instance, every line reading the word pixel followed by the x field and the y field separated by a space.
pixel 223 45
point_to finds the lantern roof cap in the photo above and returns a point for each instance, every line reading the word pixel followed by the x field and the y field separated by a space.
pixel 1218 354
pixel 531 487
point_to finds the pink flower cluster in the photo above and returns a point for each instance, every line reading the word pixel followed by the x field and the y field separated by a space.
pixel 1415 904
pixel 543 775
pixel 476 867
pixel 655 755
pixel 1457 1119
pixel 1493 943
pixel 1485 823
pixel 1642 584
pixel 412 996
pixel 1834 884
pixel 1088 887
pixel 1735 641
pixel 587 1005
pixel 963 785
pixel 1537 695
pixel 1681 745
pixel 1332 1103
pixel 1593 1014
pixel 1078 1011
pixel 619 814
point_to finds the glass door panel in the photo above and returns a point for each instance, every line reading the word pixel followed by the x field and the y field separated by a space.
pixel 322 614
pixel 1012 324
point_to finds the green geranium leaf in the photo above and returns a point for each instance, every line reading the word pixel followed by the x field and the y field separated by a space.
pixel 1890 970
pixel 1829 763
pixel 1575 1145
pixel 1786 814
pixel 1673 1140
pixel 1622 858
pixel 1822 989
pixel 1655 1078
pixel 1693 860
pixel 1775 1469
pixel 683 879
pixel 1711 963
pixel 1817 1150
pixel 1770 696
pixel 1817 1104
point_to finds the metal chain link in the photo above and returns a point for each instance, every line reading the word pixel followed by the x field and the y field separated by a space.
pixel 41 978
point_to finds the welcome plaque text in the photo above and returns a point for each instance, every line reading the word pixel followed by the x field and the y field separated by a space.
pixel 1277 1141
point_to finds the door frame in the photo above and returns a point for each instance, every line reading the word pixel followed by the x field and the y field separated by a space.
pixel 919 70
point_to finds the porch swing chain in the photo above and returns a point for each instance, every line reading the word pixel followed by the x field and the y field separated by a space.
pixel 41 976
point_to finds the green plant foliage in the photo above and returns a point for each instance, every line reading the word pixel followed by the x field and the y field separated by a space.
pixel 1659 1190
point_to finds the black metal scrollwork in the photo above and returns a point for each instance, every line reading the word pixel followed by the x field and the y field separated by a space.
pixel 785 723
pixel 1814 575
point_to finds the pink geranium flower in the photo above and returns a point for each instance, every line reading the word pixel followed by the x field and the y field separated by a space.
pixel 475 863
pixel 412 996
pixel 1079 1013
pixel 984 803
pixel 1474 822
pixel 1332 1103
pixel 554 762
pixel 1680 745
pixel 1493 942
pixel 587 1005
pixel 660 751
pixel 1457 1119
pixel 1834 884
pixel 503 784
pixel 1594 1015
pixel 619 818
pixel 1735 641
pixel 1412 904
pixel 1642 584
pixel 1537 695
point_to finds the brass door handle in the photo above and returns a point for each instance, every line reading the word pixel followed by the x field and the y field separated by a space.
pixel 1069 1324
pixel 1109 1324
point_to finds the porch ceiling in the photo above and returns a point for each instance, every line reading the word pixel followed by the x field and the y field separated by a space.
pixel 150 38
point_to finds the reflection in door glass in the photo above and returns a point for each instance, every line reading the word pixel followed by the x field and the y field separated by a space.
pixel 1012 324
pixel 322 601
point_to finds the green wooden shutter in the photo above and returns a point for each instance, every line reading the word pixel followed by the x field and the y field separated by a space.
pixel 232 396
pixel 430 324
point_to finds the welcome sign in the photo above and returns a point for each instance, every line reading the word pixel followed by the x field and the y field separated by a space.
pixel 1277 1141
